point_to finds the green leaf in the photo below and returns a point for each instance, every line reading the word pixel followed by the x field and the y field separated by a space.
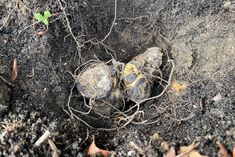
pixel 47 14
pixel 45 21
pixel 38 17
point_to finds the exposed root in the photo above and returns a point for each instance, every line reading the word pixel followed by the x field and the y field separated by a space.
pixel 6 19
pixel 123 118
pixel 7 82
pixel 69 28
pixel 114 20
pixel 135 146
pixel 54 148
pixel 9 127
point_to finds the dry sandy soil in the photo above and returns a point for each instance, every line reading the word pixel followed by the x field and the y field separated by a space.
pixel 198 35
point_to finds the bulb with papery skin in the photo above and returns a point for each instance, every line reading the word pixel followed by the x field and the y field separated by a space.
pixel 140 73
pixel 95 82
pixel 101 83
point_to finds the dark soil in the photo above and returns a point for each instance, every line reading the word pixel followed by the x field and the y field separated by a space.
pixel 198 35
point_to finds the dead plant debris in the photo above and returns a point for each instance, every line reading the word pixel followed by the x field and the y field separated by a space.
pixel 185 151
pixel 14 72
pixel 94 150
pixel 189 151
pixel 165 145
pixel 234 151
pixel 177 87
pixel 170 153
pixel 222 150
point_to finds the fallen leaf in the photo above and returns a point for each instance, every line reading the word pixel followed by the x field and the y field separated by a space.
pixel 189 151
pixel 195 153
pixel 165 146
pixel 222 150
pixel 14 72
pixel 170 153
pixel 94 150
pixel 234 151
pixel 177 87
pixel 42 32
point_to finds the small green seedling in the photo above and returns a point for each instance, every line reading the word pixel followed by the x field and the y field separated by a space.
pixel 43 18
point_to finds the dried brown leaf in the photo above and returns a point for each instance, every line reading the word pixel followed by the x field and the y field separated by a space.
pixel 42 32
pixel 222 150
pixel 189 151
pixel 94 150
pixel 171 152
pixel 195 153
pixel 177 87
pixel 165 146
pixel 234 151
pixel 14 71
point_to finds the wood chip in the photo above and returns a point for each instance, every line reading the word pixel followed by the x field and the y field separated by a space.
pixel 177 87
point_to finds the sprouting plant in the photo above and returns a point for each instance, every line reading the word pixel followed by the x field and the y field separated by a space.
pixel 43 18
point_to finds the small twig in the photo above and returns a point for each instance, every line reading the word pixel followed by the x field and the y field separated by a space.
pixel 42 138
pixel 54 148
pixel 133 145
pixel 29 26
pixel 4 80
